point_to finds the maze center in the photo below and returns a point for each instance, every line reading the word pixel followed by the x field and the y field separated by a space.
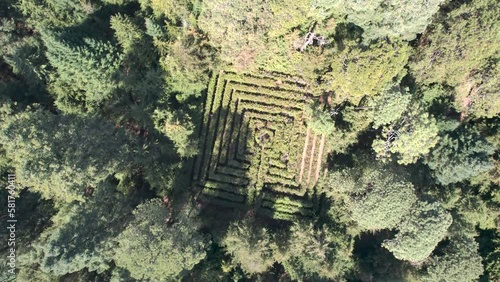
pixel 256 149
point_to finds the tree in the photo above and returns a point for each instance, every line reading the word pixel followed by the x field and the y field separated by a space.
pixel 461 50
pixel 376 197
pixel 321 123
pixel 316 253
pixel 349 124
pixel 460 156
pixel 179 128
pixel 460 262
pixel 126 32
pixel 85 71
pixel 390 105
pixel 187 62
pixel 250 246
pixel 152 247
pixel 324 9
pixel 419 232
pixel 375 67
pixel 60 156
pixel 287 15
pixel 409 138
pixel 492 257
pixel 56 13
pixel 391 18
pixel 237 28
pixel 82 233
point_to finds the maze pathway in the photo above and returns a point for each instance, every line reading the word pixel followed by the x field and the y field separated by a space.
pixel 257 150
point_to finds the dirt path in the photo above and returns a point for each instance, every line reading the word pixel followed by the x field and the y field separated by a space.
pixel 320 158
pixel 304 152
pixel 311 161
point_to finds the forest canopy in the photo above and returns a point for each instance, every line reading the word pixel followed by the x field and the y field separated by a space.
pixel 211 140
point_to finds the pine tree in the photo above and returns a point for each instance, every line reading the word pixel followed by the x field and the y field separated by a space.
pixel 85 72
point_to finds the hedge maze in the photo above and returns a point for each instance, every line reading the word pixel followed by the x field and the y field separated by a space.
pixel 256 148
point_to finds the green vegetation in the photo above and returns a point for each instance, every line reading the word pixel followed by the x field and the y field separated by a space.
pixel 153 248
pixel 211 140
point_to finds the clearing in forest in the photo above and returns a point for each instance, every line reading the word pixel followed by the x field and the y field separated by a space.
pixel 256 147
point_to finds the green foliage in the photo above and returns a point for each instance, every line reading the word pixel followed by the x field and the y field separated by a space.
pixel 324 9
pixel 390 105
pixel 82 233
pixel 316 253
pixel 391 18
pixel 126 32
pixel 492 257
pixel 322 123
pixel 173 10
pixel 149 81
pixel 347 130
pixel 410 138
pixel 357 72
pixel 85 71
pixel 288 14
pixel 179 128
pixel 460 156
pixel 478 212
pixel 150 248
pixel 419 232
pixel 377 198
pixel 460 262
pixel 236 28
pixel 462 51
pixel 249 246
pixel 187 63
pixel 56 13
pixel 59 156
pixel 26 60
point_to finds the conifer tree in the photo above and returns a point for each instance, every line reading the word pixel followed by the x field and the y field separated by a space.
pixel 85 71
pixel 56 13
pixel 127 33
